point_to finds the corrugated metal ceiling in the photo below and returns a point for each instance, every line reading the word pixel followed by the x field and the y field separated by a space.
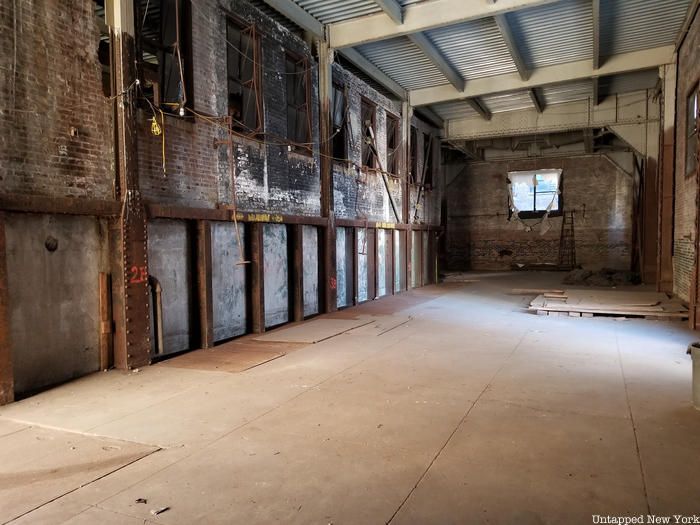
pixel 513 101
pixel 329 11
pixel 454 109
pixel 404 62
pixel 632 25
pixel 628 82
pixel 546 35
pixel 476 49
pixel 554 33
pixel 569 92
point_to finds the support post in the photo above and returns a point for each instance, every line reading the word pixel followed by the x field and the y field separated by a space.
pixel 328 279
pixel 7 388
pixel 409 258
pixel 355 268
pixel 132 343
pixel 204 284
pixel 407 115
pixel 665 180
pixel 257 283
pixel 106 339
pixel 296 256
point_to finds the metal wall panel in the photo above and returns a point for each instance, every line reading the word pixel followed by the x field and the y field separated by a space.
pixel 276 263
pixel 310 255
pixel 228 281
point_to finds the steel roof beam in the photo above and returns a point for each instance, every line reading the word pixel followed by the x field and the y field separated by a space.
pixel 507 36
pixel 596 91
pixel 569 72
pixel 392 9
pixel 418 17
pixel 296 14
pixel 479 107
pixel 596 34
pixel 536 100
pixel 434 54
pixel 431 116
pixel 373 71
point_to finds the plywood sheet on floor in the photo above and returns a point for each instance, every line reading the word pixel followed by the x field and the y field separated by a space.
pixel 313 331
pixel 610 302
pixel 234 356
pixel 59 463
pixel 381 325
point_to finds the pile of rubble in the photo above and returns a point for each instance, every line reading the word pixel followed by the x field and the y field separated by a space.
pixel 606 277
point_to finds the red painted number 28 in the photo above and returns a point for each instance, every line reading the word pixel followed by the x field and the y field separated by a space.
pixel 138 274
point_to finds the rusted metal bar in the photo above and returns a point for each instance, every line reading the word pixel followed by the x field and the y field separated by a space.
pixel 296 274
pixel 328 279
pixel 355 267
pixel 132 342
pixel 256 280
pixel 167 211
pixel 59 205
pixel 204 284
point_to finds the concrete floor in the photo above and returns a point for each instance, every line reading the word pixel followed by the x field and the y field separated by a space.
pixel 473 412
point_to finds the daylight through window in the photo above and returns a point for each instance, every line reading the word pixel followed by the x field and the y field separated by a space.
pixel 535 193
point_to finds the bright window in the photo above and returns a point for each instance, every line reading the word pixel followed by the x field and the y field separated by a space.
pixel 534 193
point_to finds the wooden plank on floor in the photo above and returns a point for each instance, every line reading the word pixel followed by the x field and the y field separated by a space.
pixel 313 331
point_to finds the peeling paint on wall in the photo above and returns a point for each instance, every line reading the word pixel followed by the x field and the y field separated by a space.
pixel 275 257
pixel 228 281
pixel 310 257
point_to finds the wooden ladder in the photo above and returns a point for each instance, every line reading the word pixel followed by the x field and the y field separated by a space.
pixel 567 242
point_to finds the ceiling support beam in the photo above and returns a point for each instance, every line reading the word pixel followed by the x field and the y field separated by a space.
pixel 392 8
pixel 507 36
pixel 539 106
pixel 299 16
pixel 434 54
pixel 596 91
pixel 431 116
pixel 373 71
pixel 571 71
pixel 418 17
pixel 477 106
pixel 596 34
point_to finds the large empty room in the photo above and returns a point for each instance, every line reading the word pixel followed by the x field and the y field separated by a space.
pixel 339 262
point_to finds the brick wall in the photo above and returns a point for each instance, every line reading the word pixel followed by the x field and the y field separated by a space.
pixel 55 122
pixel 480 237
pixel 361 194
pixel 686 186
pixel 269 177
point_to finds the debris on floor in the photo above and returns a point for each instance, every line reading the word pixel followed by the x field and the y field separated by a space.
pixel 458 277
pixel 583 303
pixel 534 291
pixel 159 510
pixel 606 277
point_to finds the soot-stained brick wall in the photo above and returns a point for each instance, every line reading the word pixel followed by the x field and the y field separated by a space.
pixel 686 184
pixel 480 237
pixel 269 177
pixel 55 121
pixel 360 193
pixel 428 209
